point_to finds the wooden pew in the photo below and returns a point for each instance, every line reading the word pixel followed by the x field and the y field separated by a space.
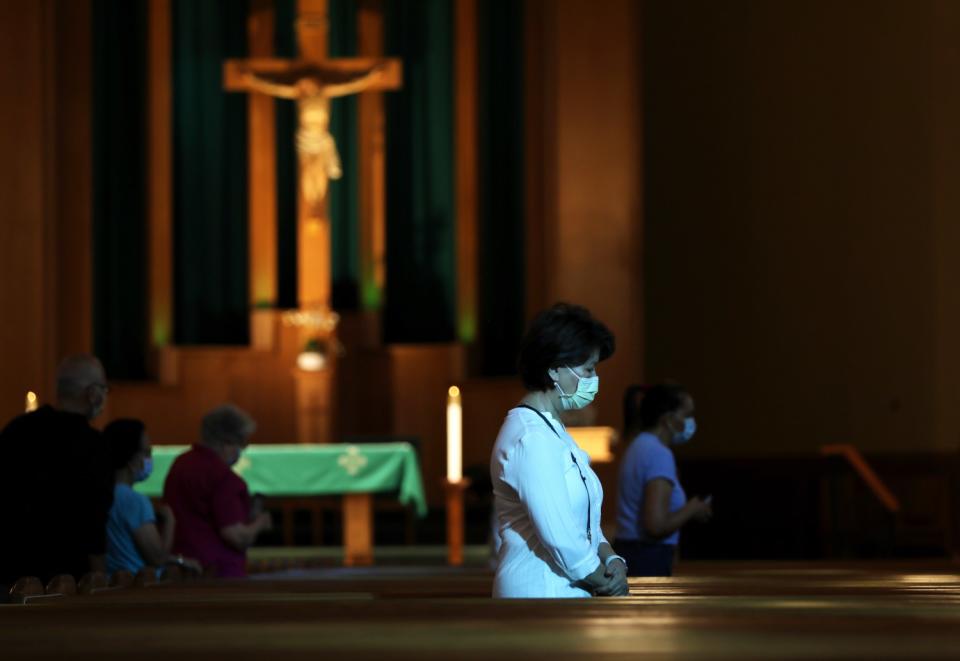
pixel 63 585
pixel 92 582
pixel 25 589
pixel 743 611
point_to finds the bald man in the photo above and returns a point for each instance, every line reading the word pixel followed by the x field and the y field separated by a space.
pixel 56 482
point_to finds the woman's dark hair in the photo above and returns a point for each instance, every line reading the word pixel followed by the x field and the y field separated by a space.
pixel 561 335
pixel 124 439
pixel 644 406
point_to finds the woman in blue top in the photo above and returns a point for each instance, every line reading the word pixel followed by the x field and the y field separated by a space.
pixel 134 540
pixel 652 506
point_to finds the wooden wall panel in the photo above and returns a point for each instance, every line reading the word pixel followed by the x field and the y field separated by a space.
pixel 584 174
pixel 263 165
pixel 371 122
pixel 160 172
pixel 25 203
pixel 802 222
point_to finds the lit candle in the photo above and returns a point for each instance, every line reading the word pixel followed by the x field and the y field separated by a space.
pixel 454 435
pixel 31 401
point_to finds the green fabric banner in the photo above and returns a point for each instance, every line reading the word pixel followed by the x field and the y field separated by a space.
pixel 210 270
pixel 314 470
pixel 421 202
pixel 501 317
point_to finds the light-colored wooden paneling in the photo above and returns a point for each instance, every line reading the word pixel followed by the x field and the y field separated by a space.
pixel 262 160
pixel 584 237
pixel 371 120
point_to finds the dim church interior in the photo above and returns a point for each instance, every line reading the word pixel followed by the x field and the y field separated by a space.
pixel 753 196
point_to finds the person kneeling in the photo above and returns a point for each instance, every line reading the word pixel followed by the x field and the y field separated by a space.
pixel 134 539
pixel 218 519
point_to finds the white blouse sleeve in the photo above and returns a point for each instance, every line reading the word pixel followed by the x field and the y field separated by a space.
pixel 541 487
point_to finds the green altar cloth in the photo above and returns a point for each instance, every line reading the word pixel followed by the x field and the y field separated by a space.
pixel 314 470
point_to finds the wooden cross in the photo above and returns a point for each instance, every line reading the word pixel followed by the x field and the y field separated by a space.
pixel 312 82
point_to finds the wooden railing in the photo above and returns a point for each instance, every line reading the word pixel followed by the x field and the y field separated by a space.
pixel 866 473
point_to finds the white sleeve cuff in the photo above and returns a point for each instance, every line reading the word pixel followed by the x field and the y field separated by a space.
pixel 584 568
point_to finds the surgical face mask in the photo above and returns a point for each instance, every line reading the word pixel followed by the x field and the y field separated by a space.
pixel 97 398
pixel 144 472
pixel 587 388
pixel 234 456
pixel 685 434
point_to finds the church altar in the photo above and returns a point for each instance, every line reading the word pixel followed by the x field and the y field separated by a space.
pixel 302 470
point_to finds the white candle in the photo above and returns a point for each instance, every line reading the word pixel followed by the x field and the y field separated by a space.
pixel 32 403
pixel 454 435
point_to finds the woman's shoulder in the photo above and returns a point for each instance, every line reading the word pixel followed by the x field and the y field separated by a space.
pixel 648 445
pixel 125 497
pixel 523 428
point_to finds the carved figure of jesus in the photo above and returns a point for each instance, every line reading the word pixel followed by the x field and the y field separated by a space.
pixel 312 87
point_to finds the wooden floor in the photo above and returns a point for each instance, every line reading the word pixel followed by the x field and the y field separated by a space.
pixel 755 611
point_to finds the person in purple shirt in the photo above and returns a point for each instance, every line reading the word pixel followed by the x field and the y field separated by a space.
pixel 652 505
pixel 216 520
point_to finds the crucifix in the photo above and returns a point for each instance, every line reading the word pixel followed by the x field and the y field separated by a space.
pixel 312 82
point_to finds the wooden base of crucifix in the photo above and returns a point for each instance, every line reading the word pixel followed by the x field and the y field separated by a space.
pixel 314 393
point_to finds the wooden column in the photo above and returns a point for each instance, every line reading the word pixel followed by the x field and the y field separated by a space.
pixel 466 149
pixel 313 234
pixel 51 124
pixel 44 189
pixel 74 179
pixel 594 182
pixel 262 162
pixel 357 529
pixel 160 173
pixel 540 130
pixel 373 173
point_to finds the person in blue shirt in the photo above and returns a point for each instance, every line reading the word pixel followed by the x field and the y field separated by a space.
pixel 134 538
pixel 652 505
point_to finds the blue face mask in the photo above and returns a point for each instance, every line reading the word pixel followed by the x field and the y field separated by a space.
pixel 144 472
pixel 689 429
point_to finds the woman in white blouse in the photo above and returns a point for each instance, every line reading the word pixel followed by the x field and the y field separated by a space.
pixel 546 497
